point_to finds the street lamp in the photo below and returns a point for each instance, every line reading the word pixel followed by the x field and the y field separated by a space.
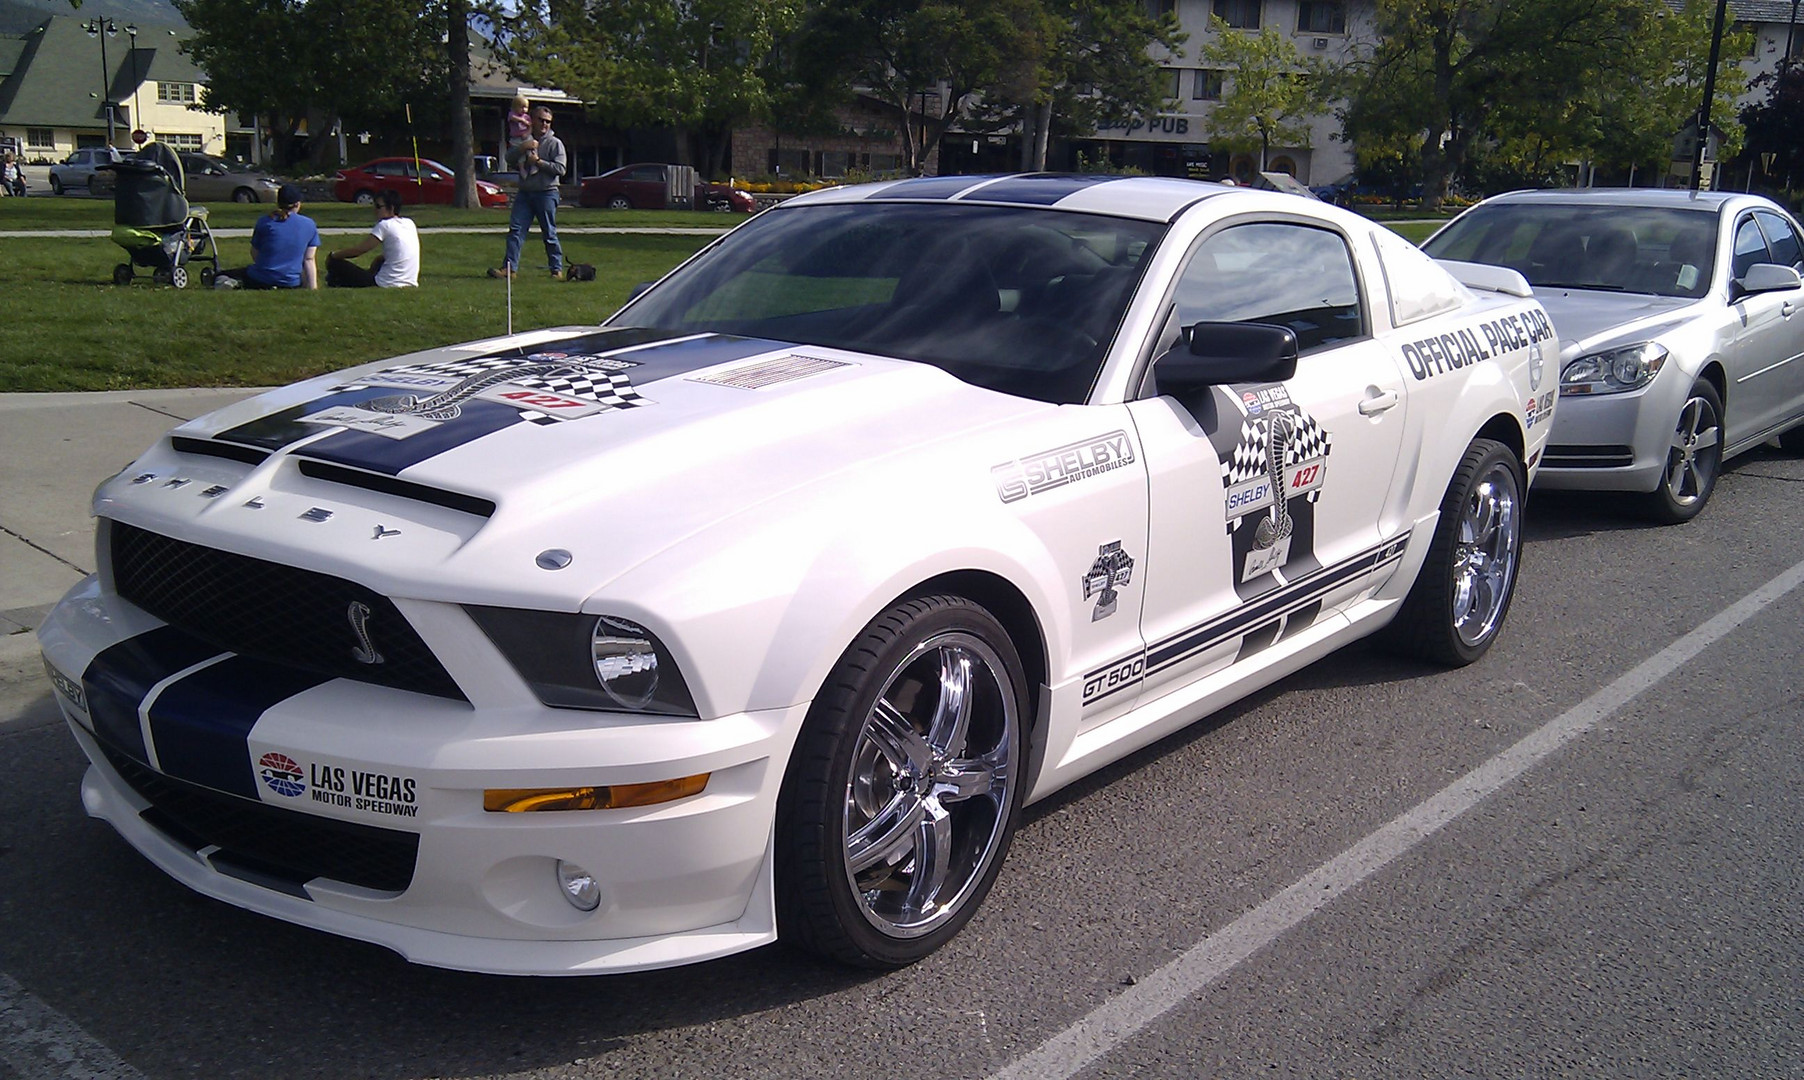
pixel 98 27
pixel 131 31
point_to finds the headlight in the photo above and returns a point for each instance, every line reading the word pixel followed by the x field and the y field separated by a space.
pixel 270 183
pixel 588 661
pixel 1614 371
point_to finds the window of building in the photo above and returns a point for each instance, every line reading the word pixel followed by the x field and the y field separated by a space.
pixel 1240 14
pixel 177 93
pixel 1328 17
pixel 834 163
pixel 180 140
pixel 1160 8
pixel 1208 85
pixel 1173 77
pixel 40 138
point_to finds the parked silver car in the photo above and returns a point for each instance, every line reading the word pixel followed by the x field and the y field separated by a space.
pixel 212 179
pixel 1681 326
pixel 77 170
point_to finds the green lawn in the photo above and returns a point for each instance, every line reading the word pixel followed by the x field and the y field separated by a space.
pixel 75 212
pixel 69 328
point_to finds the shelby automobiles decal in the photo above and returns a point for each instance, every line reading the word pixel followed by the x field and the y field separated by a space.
pixel 1062 465
pixel 1112 570
pixel 1272 474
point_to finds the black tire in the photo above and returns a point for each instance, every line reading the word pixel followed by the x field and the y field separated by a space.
pixel 899 805
pixel 1460 598
pixel 207 277
pixel 619 202
pixel 122 274
pixel 56 186
pixel 244 195
pixel 1792 442
pixel 1693 462
pixel 364 198
pixel 160 276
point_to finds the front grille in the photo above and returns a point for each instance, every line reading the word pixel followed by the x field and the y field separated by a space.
pixel 1588 457
pixel 287 616
pixel 268 841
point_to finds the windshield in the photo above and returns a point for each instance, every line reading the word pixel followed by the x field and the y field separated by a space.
pixel 1020 300
pixel 1643 249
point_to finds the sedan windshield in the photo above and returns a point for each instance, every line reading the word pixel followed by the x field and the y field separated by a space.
pixel 1642 249
pixel 1015 299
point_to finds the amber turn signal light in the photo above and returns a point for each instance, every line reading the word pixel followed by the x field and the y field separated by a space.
pixel 612 797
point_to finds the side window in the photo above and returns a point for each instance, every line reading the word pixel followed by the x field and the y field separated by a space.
pixel 1288 275
pixel 651 174
pixel 1780 237
pixel 1750 247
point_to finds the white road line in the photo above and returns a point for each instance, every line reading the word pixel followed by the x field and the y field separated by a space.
pixel 43 1044
pixel 1114 1023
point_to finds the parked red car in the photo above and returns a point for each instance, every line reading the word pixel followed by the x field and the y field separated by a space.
pixel 430 183
pixel 645 187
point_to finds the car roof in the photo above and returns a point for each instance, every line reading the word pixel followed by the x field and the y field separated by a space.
pixel 1672 198
pixel 1150 198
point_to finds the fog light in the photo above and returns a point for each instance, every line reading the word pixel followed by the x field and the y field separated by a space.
pixel 580 886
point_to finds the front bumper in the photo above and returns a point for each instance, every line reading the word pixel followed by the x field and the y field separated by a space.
pixel 1614 442
pixel 198 785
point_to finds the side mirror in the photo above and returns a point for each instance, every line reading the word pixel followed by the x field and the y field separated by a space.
pixel 640 290
pixel 1767 277
pixel 1219 353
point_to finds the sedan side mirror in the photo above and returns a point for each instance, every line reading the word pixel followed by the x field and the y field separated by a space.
pixel 1219 353
pixel 1767 277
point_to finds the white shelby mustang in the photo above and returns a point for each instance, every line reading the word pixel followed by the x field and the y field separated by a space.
pixel 761 609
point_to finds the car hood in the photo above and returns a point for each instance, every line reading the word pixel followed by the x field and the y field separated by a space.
pixel 445 474
pixel 1586 320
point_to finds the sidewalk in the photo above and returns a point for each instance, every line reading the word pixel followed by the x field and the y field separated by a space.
pixel 57 449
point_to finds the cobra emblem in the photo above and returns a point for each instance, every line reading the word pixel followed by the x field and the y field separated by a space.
pixel 359 615
pixel 448 404
pixel 1280 428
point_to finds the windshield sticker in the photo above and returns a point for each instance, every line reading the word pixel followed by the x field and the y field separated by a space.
pixel 762 373
pixel 1062 465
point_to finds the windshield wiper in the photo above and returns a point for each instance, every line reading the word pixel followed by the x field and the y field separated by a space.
pixel 1598 286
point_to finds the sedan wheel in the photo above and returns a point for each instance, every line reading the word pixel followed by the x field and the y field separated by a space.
pixel 244 195
pixel 619 202
pixel 901 799
pixel 1463 592
pixel 365 198
pixel 1693 461
pixel 56 186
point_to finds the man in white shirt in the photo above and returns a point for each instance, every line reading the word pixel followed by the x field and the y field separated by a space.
pixel 399 264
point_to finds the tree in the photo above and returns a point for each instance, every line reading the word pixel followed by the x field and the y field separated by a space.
pixel 1550 77
pixel 1274 91
pixel 703 67
pixel 1776 125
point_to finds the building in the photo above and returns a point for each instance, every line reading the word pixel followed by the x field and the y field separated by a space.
pixel 57 79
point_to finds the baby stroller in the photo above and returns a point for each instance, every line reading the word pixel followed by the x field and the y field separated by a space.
pixel 155 225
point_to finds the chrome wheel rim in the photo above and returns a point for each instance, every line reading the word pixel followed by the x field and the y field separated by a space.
pixel 1696 451
pixel 1485 552
pixel 931 779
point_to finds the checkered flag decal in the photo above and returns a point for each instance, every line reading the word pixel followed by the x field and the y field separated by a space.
pixel 599 380
pixel 1247 460
pixel 1310 441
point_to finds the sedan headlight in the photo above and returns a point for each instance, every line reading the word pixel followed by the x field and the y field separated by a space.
pixel 588 661
pixel 1614 371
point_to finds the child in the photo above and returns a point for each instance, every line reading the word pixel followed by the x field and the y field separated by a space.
pixel 519 125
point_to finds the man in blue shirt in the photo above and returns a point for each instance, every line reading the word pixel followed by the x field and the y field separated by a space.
pixel 282 249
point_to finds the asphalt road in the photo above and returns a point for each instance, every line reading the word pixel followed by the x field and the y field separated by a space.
pixel 1625 902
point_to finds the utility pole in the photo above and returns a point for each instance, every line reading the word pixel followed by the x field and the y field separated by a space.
pixel 1716 48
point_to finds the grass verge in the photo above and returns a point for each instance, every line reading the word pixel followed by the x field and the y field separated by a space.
pixel 75 212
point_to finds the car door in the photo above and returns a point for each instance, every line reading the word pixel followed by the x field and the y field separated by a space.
pixel 647 187
pixel 1266 498
pixel 1784 246
pixel 1765 347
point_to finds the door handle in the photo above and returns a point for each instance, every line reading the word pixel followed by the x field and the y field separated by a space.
pixel 1377 403
pixel 1786 309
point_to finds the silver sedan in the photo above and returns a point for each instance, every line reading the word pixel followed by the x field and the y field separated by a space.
pixel 1681 326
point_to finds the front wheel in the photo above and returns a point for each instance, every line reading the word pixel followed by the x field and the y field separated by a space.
pixel 1693 461
pixel 56 186
pixel 179 277
pixel 122 274
pixel 1457 605
pixel 244 195
pixel 901 797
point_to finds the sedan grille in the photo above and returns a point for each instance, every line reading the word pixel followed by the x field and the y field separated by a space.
pixel 298 618
pixel 267 844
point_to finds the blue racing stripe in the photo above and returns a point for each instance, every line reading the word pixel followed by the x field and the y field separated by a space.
pixel 931 187
pixel 117 680
pixel 202 724
pixel 1039 190
pixel 380 454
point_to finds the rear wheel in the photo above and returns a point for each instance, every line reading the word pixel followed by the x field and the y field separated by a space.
pixel 122 274
pixel 365 198
pixel 160 276
pixel 619 202
pixel 179 277
pixel 207 277
pixel 1457 605
pixel 1792 442
pixel 1693 461
pixel 901 797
